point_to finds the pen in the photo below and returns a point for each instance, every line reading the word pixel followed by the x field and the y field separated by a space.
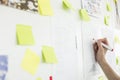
pixel 105 46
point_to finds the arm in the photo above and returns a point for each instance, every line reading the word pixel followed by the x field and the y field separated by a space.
pixel 100 58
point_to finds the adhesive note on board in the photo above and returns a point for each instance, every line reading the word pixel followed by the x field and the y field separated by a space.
pixel 44 8
pixel 84 15
pixel 24 35
pixel 115 1
pixel 106 20
pixel 30 62
pixel 38 78
pixel 108 7
pixel 49 54
pixel 67 5
pixel 102 78
pixel 117 40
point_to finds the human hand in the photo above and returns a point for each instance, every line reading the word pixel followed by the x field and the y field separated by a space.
pixel 99 50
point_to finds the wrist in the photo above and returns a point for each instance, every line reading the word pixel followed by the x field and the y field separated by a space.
pixel 102 61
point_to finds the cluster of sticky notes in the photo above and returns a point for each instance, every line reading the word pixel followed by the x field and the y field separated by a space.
pixel 24 35
pixel 44 8
pixel 84 15
pixel 67 5
pixel 48 54
pixel 116 39
pixel 108 7
pixel 30 62
pixel 107 20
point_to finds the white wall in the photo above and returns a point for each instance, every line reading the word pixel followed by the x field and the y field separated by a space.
pixel 62 31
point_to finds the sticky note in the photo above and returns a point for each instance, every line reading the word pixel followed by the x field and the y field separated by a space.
pixel 38 78
pixel 24 35
pixel 115 1
pixel 84 15
pixel 116 39
pixel 106 20
pixel 118 60
pixel 100 78
pixel 108 7
pixel 44 8
pixel 48 54
pixel 67 5
pixel 30 62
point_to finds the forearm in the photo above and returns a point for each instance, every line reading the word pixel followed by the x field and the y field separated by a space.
pixel 109 72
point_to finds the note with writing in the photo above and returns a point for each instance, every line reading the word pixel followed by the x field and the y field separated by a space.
pixel 48 54
pixel 44 8
pixel 24 34
pixel 30 62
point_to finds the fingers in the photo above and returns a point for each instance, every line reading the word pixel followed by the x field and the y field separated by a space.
pixel 104 40
pixel 95 47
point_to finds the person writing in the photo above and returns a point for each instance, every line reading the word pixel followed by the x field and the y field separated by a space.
pixel 100 53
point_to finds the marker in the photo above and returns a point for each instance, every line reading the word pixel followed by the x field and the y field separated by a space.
pixel 50 78
pixel 105 46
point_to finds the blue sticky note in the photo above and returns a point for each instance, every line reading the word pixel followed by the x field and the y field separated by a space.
pixel 3 66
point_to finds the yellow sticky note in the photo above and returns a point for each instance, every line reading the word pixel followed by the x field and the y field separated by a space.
pixel 108 7
pixel 39 78
pixel 106 20
pixel 118 60
pixel 44 8
pixel 24 35
pixel 30 62
pixel 49 54
pixel 84 15
pixel 102 77
pixel 67 5
pixel 115 1
pixel 116 39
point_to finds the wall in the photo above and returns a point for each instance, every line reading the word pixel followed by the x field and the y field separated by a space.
pixel 70 37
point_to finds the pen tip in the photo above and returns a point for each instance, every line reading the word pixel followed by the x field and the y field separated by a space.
pixel 112 49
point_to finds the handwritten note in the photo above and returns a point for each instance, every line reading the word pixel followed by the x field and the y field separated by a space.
pixel 30 62
pixel 44 8
pixel 108 7
pixel 24 35
pixel 49 54
pixel 67 5
pixel 106 20
pixel 84 15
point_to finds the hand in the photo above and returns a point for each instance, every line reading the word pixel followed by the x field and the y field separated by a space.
pixel 99 50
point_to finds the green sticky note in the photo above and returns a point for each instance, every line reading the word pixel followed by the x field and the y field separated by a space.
pixel 108 7
pixel 30 62
pixel 106 20
pixel 38 78
pixel 24 35
pixel 67 5
pixel 48 54
pixel 84 15
pixel 44 8
pixel 117 60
